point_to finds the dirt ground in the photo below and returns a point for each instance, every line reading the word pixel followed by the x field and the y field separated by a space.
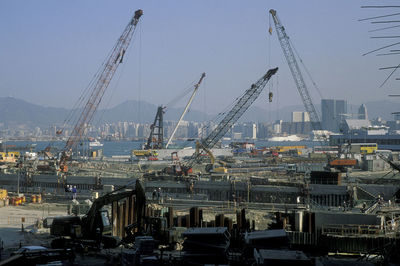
pixel 15 218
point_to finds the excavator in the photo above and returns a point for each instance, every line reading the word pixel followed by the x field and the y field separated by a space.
pixel 212 167
pixel 85 231
pixel 75 229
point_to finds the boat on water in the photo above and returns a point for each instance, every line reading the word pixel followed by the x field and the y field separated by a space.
pixel 287 138
pixel 95 143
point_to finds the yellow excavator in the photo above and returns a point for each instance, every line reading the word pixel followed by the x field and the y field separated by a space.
pixel 212 167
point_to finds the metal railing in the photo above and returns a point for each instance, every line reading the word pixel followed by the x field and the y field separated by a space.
pixel 349 229
pixel 18 220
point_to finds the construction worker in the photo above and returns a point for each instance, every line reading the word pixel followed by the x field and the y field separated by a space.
pixel 154 194
pixel 74 191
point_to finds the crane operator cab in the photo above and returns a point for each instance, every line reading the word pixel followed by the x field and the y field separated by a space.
pixel 73 227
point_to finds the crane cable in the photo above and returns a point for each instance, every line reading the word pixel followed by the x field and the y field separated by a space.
pixel 329 113
pixel 306 69
pixel 218 118
pixel 270 85
pixel 188 89
pixel 140 80
pixel 269 66
pixel 72 114
pixel 120 74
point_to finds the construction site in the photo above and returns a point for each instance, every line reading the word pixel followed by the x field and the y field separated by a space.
pixel 208 205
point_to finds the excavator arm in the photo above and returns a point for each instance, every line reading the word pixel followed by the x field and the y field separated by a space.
pixel 88 221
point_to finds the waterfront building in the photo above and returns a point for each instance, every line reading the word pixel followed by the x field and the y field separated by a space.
pixel 333 112
pixel 355 125
pixel 362 112
pixel 385 142
pixel 277 127
pixel 298 116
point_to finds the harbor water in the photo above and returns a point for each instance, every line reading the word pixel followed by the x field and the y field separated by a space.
pixel 115 148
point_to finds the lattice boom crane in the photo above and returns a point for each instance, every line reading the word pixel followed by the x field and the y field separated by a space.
pixel 99 87
pixel 196 87
pixel 296 73
pixel 240 106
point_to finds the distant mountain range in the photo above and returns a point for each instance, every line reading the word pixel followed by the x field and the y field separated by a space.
pixel 16 112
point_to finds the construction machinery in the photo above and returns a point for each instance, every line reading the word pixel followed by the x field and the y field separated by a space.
pixel 296 73
pixel 196 87
pixel 3 194
pixel 212 167
pixel 239 107
pixel 97 89
pixel 342 164
pixel 74 229
pixel 9 157
pixel 156 137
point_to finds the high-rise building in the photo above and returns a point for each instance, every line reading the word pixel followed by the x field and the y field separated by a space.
pixel 250 130
pixel 362 112
pixel 333 112
pixel 298 116
pixel 263 130
pixel 277 127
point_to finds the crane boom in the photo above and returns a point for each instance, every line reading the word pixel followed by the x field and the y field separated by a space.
pixel 241 105
pixel 296 73
pixel 186 108
pixel 99 87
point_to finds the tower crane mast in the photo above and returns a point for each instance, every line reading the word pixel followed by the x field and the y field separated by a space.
pixel 296 73
pixel 156 137
pixel 98 88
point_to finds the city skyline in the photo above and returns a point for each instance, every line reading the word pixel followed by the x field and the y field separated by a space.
pixel 29 112
pixel 128 130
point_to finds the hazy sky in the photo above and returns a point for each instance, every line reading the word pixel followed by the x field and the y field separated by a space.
pixel 50 50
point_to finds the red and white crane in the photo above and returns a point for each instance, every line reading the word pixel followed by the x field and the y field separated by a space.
pixel 98 88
